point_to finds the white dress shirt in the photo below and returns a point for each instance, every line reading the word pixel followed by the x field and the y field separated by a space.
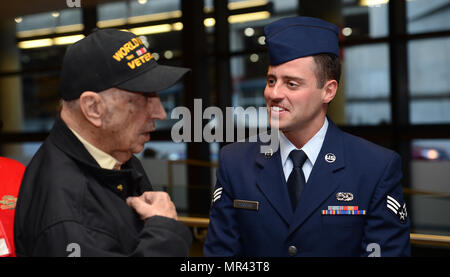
pixel 103 159
pixel 311 149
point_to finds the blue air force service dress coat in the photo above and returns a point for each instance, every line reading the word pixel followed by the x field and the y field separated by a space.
pixel 352 204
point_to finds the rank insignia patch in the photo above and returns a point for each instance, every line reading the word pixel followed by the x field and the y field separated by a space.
pixel 397 209
pixel 217 194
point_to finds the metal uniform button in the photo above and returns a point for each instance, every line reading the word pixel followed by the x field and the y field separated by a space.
pixel 292 250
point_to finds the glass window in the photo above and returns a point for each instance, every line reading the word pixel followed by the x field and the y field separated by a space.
pixel 40 89
pixel 110 11
pixel 170 99
pixel 432 150
pixel 366 83
pixel 165 165
pixel 249 79
pixel 143 7
pixel 429 204
pixel 21 152
pixel 70 16
pixel 120 13
pixel 429 213
pixel 366 79
pixel 49 19
pixel 166 49
pixel 167 150
pixel 428 15
pixel 249 35
pixel 429 84
pixel 285 6
pixel 364 19
pixel 40 86
pixel 36 21
pixel 41 101
pixel 247 29
pixel 68 20
pixel 368 112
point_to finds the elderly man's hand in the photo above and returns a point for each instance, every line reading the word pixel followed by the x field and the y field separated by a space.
pixel 153 203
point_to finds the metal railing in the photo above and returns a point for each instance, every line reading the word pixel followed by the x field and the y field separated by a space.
pixel 200 225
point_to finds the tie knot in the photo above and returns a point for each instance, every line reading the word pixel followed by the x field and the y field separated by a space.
pixel 298 157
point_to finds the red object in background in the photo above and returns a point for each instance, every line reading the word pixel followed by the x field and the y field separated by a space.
pixel 11 173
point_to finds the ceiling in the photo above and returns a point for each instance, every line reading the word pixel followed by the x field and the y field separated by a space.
pixel 23 7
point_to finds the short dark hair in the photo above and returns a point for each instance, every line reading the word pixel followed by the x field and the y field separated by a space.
pixel 328 67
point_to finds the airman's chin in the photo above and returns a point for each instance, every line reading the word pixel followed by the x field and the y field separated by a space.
pixel 274 122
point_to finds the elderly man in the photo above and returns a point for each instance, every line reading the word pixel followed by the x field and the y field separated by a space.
pixel 84 193
pixel 325 192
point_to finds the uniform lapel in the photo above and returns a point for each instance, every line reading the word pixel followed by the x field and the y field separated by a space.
pixel 268 181
pixel 323 180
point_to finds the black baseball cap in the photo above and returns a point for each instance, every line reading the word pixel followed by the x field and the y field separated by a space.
pixel 112 58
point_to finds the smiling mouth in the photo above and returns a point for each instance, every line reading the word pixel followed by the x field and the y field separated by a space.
pixel 278 109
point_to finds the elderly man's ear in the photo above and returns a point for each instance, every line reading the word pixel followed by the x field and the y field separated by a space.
pixel 93 107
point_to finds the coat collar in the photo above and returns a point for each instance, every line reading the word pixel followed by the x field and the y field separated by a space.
pixel 268 181
pixel 311 148
pixel 321 183
pixel 323 180
pixel 67 142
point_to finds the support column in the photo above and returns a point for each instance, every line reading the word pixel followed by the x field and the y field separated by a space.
pixel 11 106
pixel 222 49
pixel 196 87
pixel 89 19
pixel 223 85
pixel 400 99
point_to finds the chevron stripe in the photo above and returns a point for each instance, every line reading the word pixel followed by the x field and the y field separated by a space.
pixel 217 194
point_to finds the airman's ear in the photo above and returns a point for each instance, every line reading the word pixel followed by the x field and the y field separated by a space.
pixel 330 89
pixel 93 107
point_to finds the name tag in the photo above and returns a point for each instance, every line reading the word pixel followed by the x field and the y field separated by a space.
pixel 246 204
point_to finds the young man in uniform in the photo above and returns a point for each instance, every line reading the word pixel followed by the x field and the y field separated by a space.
pixel 323 192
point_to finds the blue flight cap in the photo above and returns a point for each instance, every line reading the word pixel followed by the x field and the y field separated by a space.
pixel 295 37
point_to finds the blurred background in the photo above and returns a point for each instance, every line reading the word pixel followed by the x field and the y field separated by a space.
pixel 395 86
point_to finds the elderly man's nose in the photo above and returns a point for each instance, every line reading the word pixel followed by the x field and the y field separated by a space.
pixel 158 111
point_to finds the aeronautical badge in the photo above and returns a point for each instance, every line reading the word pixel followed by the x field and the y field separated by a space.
pixel 344 196
pixel 397 209
pixel 8 202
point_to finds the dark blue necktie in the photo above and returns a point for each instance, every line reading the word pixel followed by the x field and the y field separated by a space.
pixel 296 181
